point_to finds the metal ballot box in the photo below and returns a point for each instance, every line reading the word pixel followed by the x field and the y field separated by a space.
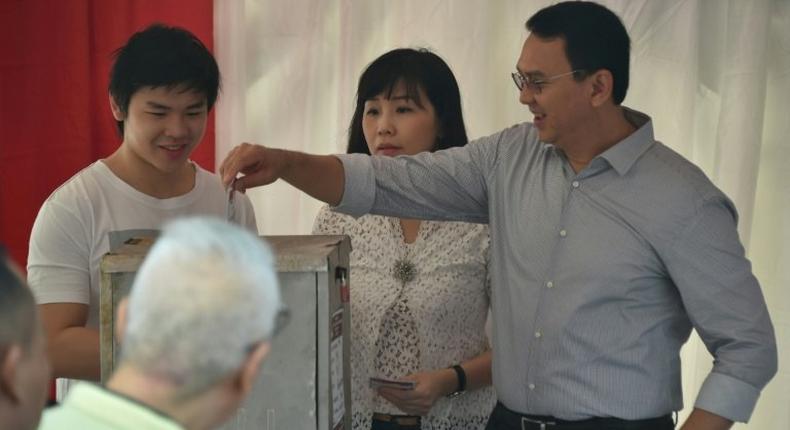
pixel 305 380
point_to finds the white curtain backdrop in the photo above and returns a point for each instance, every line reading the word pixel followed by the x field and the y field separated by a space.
pixel 713 74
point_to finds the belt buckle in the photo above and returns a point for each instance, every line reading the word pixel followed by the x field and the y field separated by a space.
pixel 525 421
pixel 406 421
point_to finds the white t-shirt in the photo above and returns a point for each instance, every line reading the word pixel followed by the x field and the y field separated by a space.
pixel 96 211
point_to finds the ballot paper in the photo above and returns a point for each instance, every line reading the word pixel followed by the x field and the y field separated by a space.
pixel 396 384
pixel 230 208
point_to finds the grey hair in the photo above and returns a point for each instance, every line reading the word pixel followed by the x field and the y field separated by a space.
pixel 205 295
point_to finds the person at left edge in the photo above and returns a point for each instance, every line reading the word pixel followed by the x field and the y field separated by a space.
pixel 163 84
pixel 24 369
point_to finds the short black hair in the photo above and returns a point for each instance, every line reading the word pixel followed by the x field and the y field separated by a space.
pixel 595 39
pixel 162 56
pixel 417 69
pixel 18 317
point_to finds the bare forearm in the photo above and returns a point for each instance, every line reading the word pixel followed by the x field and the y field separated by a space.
pixel 74 353
pixel 478 371
pixel 433 385
pixel 320 176
pixel 701 419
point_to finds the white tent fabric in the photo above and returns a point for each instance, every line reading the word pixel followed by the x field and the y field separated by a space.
pixel 713 74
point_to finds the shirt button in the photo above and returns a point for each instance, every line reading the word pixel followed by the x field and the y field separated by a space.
pixel 575 184
pixel 549 284
pixel 531 386
pixel 563 233
pixel 537 334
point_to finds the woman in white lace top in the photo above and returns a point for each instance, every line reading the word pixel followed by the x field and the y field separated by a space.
pixel 419 289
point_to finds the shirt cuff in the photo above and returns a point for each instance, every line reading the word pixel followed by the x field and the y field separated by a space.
pixel 359 191
pixel 727 397
pixel 44 298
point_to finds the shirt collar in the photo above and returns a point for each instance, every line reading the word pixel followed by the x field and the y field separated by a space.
pixel 117 410
pixel 624 154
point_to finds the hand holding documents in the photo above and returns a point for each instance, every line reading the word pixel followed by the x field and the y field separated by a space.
pixel 377 383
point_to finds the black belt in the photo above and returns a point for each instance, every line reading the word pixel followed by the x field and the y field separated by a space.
pixel 542 422
pixel 401 420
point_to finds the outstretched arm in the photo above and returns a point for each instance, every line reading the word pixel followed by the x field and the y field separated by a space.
pixel 444 185
pixel 320 176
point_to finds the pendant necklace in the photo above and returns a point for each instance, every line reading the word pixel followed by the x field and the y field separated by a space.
pixel 404 269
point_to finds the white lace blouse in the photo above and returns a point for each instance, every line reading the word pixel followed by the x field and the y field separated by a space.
pixel 432 321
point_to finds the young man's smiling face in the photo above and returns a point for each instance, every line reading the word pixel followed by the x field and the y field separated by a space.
pixel 163 125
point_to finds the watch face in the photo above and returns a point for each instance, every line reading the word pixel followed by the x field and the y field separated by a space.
pixel 454 395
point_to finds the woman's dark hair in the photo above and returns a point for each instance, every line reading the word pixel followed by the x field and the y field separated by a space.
pixel 163 56
pixel 416 69
pixel 595 39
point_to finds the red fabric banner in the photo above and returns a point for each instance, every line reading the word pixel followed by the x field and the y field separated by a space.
pixel 55 117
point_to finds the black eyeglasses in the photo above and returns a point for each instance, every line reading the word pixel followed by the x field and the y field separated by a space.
pixel 280 321
pixel 535 85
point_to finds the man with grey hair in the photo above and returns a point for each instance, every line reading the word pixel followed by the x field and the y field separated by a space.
pixel 24 368
pixel 194 331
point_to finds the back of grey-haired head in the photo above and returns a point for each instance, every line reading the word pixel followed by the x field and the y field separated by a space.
pixel 204 296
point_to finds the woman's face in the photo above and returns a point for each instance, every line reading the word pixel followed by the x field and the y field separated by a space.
pixel 397 125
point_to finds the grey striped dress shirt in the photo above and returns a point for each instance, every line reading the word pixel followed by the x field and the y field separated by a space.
pixel 598 277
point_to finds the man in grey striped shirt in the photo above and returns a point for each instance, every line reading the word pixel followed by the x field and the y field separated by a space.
pixel 607 246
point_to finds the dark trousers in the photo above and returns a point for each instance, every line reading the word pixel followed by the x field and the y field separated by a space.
pixel 505 419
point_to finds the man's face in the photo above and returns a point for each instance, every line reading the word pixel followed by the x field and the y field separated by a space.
pixel 32 381
pixel 560 107
pixel 163 125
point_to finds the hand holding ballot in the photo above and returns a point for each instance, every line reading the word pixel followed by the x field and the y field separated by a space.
pixel 254 162
pixel 417 393
pixel 320 176
pixel 395 384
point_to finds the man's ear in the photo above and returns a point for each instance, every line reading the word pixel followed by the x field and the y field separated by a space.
pixel 121 319
pixel 251 367
pixel 117 112
pixel 602 84
pixel 8 368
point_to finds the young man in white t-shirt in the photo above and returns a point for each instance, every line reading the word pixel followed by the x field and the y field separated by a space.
pixel 162 85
